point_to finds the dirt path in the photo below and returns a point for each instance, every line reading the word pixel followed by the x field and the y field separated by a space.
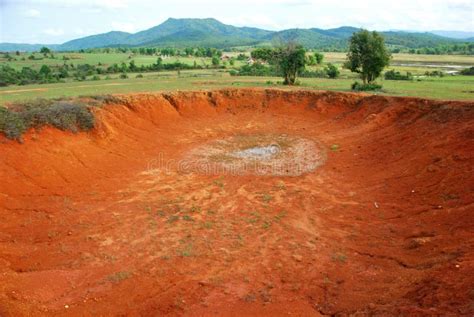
pixel 12 91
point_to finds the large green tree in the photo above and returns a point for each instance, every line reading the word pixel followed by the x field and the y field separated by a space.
pixel 289 59
pixel 45 50
pixel 367 55
pixel 263 53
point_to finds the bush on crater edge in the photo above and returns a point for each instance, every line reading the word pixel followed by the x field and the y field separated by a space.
pixel 64 114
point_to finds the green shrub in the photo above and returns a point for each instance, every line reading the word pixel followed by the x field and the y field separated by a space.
pixel 468 71
pixel 357 86
pixel 123 76
pixel 11 124
pixel 256 69
pixel 332 71
pixel 139 76
pixel 70 115
pixel 435 73
pixel 313 74
pixel 393 75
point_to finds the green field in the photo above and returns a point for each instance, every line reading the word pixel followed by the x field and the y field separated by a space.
pixel 106 59
pixel 467 60
pixel 447 87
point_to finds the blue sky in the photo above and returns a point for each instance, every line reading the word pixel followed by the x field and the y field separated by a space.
pixel 57 21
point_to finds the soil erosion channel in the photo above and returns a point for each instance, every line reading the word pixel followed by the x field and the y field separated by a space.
pixel 243 202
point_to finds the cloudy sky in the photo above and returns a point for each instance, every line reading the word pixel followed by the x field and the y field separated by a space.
pixel 57 21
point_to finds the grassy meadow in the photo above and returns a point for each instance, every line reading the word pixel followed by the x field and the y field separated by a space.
pixel 447 87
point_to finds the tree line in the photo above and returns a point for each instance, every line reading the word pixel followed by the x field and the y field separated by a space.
pixel 367 56
pixel 166 51
pixel 447 49
pixel 47 74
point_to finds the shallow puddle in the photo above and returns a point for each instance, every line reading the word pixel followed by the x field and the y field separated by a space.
pixel 258 152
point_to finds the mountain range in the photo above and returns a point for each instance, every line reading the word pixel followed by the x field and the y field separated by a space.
pixel 212 33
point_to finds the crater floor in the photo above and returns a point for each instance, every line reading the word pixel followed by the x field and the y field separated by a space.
pixel 256 154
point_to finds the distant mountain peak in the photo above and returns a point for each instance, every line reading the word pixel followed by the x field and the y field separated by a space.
pixel 181 32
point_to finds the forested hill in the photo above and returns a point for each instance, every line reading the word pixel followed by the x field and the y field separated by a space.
pixel 212 33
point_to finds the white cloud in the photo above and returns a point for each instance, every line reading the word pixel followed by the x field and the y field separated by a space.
pixel 124 26
pixel 106 4
pixel 32 13
pixel 259 20
pixel 79 31
pixel 54 31
pixel 112 4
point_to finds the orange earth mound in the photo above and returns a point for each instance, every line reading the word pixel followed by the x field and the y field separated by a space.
pixel 108 222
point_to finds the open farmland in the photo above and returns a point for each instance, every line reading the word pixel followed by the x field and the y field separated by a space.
pixel 460 87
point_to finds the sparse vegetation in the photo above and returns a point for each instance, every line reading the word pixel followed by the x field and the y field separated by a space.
pixel 188 218
pixel 357 86
pixel 280 215
pixel 394 75
pixel 219 182
pixel 187 251
pixel 335 147
pixel 468 71
pixel 173 219
pixel 339 257
pixel 70 115
pixel 267 198
pixel 119 276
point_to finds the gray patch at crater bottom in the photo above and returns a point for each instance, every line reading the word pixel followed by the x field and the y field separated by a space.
pixel 258 152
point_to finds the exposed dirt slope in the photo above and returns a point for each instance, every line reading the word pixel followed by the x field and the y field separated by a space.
pixel 108 222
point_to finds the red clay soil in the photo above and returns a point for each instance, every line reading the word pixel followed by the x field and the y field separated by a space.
pixel 107 223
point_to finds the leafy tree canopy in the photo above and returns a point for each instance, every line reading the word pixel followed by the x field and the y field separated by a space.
pixel 367 55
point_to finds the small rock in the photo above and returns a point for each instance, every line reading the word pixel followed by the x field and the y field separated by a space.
pixel 376 205
pixel 298 257
pixel 66 306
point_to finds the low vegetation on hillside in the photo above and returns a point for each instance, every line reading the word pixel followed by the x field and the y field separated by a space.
pixel 59 73
pixel 71 114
